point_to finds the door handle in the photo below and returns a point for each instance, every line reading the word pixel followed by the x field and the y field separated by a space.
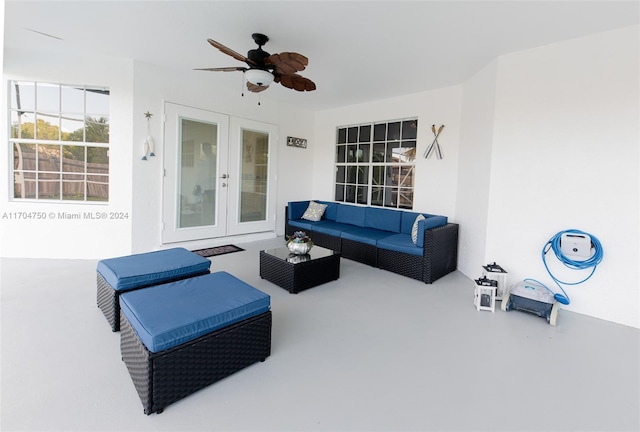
pixel 224 176
pixel 224 185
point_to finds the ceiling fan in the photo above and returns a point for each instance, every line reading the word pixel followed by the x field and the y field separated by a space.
pixel 265 68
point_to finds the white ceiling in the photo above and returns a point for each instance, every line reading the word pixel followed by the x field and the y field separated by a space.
pixel 358 50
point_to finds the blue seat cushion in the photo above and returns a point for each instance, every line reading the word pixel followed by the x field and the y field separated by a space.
pixel 303 224
pixel 332 228
pixel 151 268
pixel 168 315
pixel 400 243
pixel 368 236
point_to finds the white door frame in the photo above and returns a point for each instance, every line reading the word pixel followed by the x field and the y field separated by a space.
pixel 174 114
pixel 228 171
pixel 234 226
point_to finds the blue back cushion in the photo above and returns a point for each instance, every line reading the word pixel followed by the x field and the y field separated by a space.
pixel 331 211
pixel 431 221
pixel 169 315
pixel 351 214
pixel 297 208
pixel 408 218
pixel 382 219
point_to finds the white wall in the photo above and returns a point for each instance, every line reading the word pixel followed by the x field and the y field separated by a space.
pixel 72 238
pixel 153 86
pixel 135 185
pixel 537 142
pixel 435 180
pixel 566 155
pixel 474 169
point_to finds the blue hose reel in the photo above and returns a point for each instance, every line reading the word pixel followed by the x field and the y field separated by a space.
pixel 577 250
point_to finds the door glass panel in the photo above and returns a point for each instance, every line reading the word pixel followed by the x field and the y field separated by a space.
pixel 254 176
pixel 198 173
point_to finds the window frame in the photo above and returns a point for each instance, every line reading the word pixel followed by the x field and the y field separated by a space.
pixel 69 154
pixel 373 161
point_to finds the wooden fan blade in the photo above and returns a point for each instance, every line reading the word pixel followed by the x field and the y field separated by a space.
pixel 224 69
pixel 230 52
pixel 296 82
pixel 255 88
pixel 287 62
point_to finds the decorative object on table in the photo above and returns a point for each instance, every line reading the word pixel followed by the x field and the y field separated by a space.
pixel 434 145
pixel 299 243
pixel 484 296
pixel 297 259
pixel 495 272
pixel 297 142
pixel 148 142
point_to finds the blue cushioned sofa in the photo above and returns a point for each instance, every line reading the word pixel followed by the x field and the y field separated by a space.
pixel 381 237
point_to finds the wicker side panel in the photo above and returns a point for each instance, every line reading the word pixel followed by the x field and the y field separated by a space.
pixel 166 377
pixel 276 271
pixel 136 357
pixel 108 302
pixel 313 273
pixel 184 370
pixel 401 263
pixel 327 241
pixel 361 252
pixel 440 252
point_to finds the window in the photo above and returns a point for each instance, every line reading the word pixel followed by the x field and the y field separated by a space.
pixel 60 140
pixel 375 163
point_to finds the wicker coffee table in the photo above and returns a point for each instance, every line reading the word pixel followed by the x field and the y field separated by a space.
pixel 296 273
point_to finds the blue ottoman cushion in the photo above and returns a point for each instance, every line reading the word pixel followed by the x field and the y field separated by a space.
pixel 151 268
pixel 168 315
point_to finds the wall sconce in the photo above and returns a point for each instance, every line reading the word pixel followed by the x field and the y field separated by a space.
pixel 148 142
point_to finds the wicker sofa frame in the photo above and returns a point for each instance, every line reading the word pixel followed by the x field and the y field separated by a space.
pixel 439 258
pixel 108 298
pixel 165 377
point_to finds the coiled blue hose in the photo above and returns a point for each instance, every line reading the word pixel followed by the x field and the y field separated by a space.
pixel 591 262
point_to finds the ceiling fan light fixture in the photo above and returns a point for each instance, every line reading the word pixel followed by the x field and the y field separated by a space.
pixel 259 77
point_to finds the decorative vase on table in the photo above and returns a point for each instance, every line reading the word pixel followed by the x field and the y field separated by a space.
pixel 299 243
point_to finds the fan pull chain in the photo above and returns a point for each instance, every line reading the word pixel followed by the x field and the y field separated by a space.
pixel 243 82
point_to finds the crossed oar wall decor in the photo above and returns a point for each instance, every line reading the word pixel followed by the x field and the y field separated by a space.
pixel 435 146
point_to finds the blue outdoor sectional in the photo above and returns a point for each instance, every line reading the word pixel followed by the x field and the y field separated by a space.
pixel 379 237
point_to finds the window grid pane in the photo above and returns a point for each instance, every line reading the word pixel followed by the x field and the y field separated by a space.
pixel 375 163
pixel 60 140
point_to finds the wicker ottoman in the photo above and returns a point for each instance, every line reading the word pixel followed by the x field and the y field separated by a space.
pixel 127 273
pixel 180 337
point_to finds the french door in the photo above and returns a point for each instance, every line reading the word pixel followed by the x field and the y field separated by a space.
pixel 219 175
